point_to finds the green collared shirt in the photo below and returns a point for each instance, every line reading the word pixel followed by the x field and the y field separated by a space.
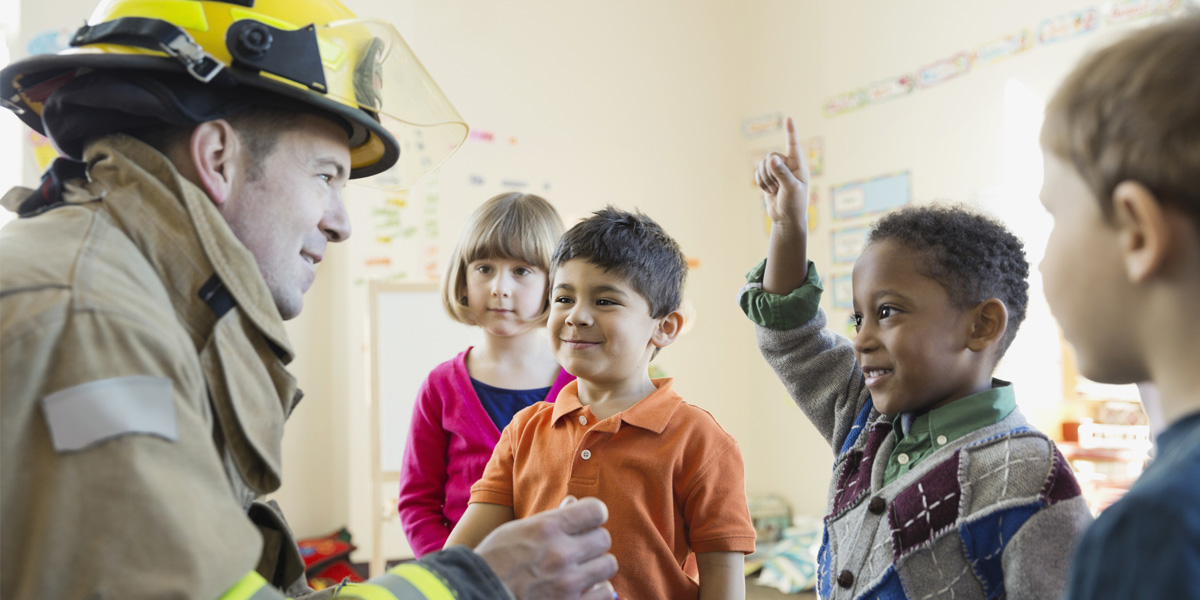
pixel 923 434
pixel 780 311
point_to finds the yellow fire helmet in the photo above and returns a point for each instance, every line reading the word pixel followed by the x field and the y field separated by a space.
pixel 312 54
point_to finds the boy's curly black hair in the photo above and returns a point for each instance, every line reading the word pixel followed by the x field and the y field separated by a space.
pixel 973 256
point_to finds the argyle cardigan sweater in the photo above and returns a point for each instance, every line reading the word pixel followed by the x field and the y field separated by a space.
pixel 993 514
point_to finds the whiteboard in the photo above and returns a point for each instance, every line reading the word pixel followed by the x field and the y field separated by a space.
pixel 410 334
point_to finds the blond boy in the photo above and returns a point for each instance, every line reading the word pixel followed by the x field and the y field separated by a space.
pixel 1122 273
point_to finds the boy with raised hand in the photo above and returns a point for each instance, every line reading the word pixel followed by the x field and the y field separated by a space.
pixel 671 477
pixel 1122 271
pixel 940 487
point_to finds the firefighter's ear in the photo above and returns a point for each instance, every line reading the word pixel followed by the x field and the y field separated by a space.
pixel 216 157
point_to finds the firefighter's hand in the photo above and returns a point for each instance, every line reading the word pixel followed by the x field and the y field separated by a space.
pixel 561 553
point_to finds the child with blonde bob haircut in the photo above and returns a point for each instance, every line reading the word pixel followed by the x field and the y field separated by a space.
pixel 496 280
pixel 672 479
pixel 1122 274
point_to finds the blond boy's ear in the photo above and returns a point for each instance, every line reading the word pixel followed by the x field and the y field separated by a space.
pixel 668 329
pixel 1143 230
pixel 988 324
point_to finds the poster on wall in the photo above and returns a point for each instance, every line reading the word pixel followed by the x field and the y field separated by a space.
pixel 870 196
pixel 759 126
pixel 1131 10
pixel 403 232
pixel 943 70
pixel 1050 30
pixel 1002 48
pixel 753 160
pixel 1068 25
pixel 849 243
pixel 814 155
pixel 891 88
pixel 843 297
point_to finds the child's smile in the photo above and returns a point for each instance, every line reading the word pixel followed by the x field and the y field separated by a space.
pixel 600 327
pixel 912 340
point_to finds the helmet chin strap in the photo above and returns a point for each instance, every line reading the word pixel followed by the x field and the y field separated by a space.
pixel 153 34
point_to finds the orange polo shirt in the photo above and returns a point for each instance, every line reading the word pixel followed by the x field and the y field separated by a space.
pixel 673 481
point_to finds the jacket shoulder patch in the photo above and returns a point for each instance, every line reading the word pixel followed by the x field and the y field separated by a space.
pixel 95 411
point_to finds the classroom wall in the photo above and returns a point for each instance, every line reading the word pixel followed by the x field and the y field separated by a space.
pixel 951 138
pixel 643 105
pixel 586 107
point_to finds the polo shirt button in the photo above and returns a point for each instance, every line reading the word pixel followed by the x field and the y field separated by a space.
pixel 877 505
pixel 583 420
pixel 941 440
pixel 845 579
pixel 586 454
pixel 902 459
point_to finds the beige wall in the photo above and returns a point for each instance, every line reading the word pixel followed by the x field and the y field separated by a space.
pixel 640 104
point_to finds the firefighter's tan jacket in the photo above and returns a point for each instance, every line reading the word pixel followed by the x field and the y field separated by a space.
pixel 143 394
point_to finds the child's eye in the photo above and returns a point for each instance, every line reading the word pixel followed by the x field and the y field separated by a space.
pixel 605 302
pixel 563 300
pixel 523 271
pixel 483 269
pixel 885 311
pixel 856 318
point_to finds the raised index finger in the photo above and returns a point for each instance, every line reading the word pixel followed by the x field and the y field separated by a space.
pixel 793 142
pixel 795 156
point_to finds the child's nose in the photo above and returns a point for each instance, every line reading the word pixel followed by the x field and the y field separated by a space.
pixel 578 316
pixel 865 340
pixel 502 286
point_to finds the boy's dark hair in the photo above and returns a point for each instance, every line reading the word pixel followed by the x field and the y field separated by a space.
pixel 635 248
pixel 972 256
pixel 1131 111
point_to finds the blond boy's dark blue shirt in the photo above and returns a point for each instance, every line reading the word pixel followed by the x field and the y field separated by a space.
pixel 1147 545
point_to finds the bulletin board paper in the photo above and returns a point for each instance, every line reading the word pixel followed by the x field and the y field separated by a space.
pixel 1050 30
pixel 1067 26
pixel 944 70
pixel 849 243
pixel 814 155
pixel 1002 48
pixel 762 125
pixel 871 196
pixel 1123 12
pixel 846 102
pixel 842 291
pixel 888 89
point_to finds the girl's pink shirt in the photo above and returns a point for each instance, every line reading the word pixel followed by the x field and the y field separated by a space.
pixel 450 440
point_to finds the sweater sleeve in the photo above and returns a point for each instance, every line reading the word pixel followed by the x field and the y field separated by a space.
pixel 423 475
pixel 1037 559
pixel 816 365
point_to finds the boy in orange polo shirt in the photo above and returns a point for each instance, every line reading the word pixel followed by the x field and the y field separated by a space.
pixel 671 477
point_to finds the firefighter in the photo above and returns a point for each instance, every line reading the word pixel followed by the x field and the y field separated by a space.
pixel 143 381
